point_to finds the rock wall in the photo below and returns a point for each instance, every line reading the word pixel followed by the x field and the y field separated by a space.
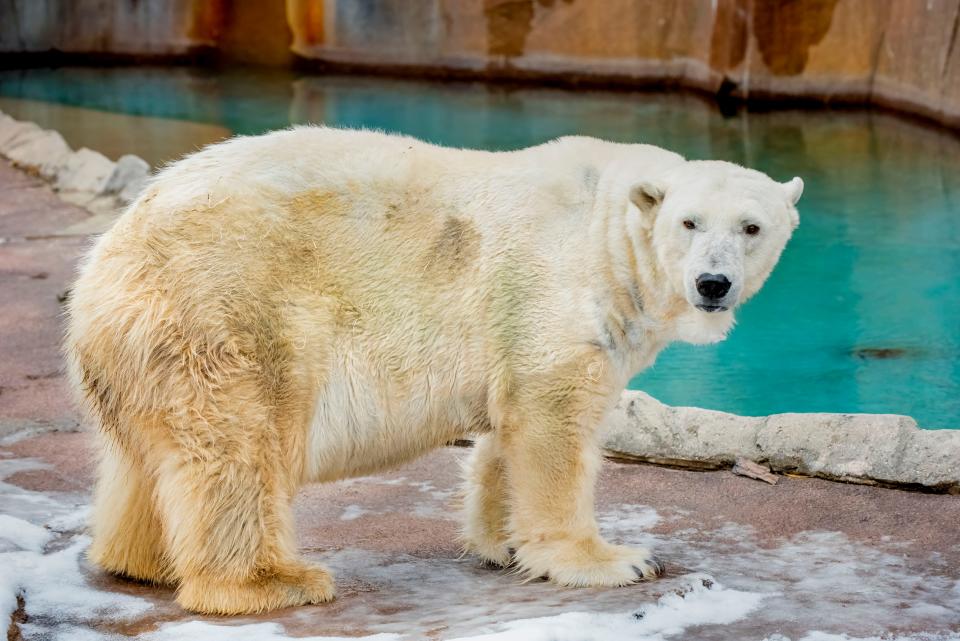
pixel 898 53
pixel 141 27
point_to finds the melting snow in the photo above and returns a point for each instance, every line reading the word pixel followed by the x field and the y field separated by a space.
pixel 823 636
pixel 628 518
pixel 200 631
pixel 352 512
pixel 704 602
pixel 55 587
pixel 19 534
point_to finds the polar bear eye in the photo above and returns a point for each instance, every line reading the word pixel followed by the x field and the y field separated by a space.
pixel 689 224
pixel 752 230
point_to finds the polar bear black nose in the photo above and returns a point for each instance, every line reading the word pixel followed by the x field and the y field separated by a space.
pixel 713 286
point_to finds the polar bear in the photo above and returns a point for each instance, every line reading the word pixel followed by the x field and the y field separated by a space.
pixel 314 304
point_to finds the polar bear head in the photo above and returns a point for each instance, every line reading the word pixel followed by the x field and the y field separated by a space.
pixel 716 230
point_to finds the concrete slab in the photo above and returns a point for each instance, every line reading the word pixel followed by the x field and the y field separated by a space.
pixel 35 267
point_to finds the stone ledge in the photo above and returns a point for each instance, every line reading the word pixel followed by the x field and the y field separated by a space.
pixel 877 449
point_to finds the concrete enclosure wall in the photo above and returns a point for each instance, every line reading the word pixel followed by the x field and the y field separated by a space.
pixel 899 53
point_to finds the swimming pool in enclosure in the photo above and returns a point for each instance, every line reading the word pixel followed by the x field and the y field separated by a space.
pixel 861 315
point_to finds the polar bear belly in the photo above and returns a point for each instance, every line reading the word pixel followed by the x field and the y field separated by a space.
pixel 362 424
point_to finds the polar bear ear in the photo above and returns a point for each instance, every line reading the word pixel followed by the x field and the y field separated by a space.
pixel 646 196
pixel 794 189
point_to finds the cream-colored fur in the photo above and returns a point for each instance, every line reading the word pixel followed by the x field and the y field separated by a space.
pixel 315 303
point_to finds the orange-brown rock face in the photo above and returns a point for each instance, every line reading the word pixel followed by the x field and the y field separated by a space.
pixel 255 32
pixel 900 53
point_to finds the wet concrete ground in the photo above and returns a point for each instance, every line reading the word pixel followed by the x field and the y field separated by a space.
pixel 802 556
pixel 36 263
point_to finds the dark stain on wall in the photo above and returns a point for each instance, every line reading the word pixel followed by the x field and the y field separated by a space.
pixel 206 20
pixel 509 23
pixel 786 30
pixel 728 42
pixel 256 32
pixel 250 32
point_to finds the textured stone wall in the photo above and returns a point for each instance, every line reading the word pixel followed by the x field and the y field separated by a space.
pixel 144 27
pixel 899 53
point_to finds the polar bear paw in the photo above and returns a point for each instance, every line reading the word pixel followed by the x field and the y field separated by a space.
pixel 589 562
pixel 494 551
pixel 291 586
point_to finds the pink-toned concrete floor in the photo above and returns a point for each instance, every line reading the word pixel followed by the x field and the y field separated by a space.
pixel 829 557
pixel 35 266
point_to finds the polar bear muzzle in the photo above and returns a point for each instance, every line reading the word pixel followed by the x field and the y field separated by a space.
pixel 713 287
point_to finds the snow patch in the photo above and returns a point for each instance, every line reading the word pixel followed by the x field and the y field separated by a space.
pixel 71 521
pixel 17 534
pixel 434 507
pixel 54 587
pixel 35 507
pixel 821 577
pixel 825 636
pixel 703 602
pixel 628 518
pixel 65 632
pixel 352 512
pixel 200 631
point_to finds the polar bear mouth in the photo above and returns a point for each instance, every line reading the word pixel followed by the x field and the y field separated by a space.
pixel 710 309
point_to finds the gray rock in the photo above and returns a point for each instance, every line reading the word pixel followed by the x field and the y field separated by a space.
pixel 12 131
pixel 128 178
pixel 862 448
pixel 34 148
pixel 85 171
pixel 930 458
pixel 84 177
pixel 643 427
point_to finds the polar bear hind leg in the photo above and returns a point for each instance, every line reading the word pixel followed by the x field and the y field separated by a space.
pixel 228 515
pixel 127 535
pixel 485 514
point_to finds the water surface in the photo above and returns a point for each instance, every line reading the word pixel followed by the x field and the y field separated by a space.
pixel 861 315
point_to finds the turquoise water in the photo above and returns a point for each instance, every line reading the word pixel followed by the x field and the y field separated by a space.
pixel 861 315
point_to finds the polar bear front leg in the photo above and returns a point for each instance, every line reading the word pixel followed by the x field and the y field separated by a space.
pixel 485 503
pixel 552 463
